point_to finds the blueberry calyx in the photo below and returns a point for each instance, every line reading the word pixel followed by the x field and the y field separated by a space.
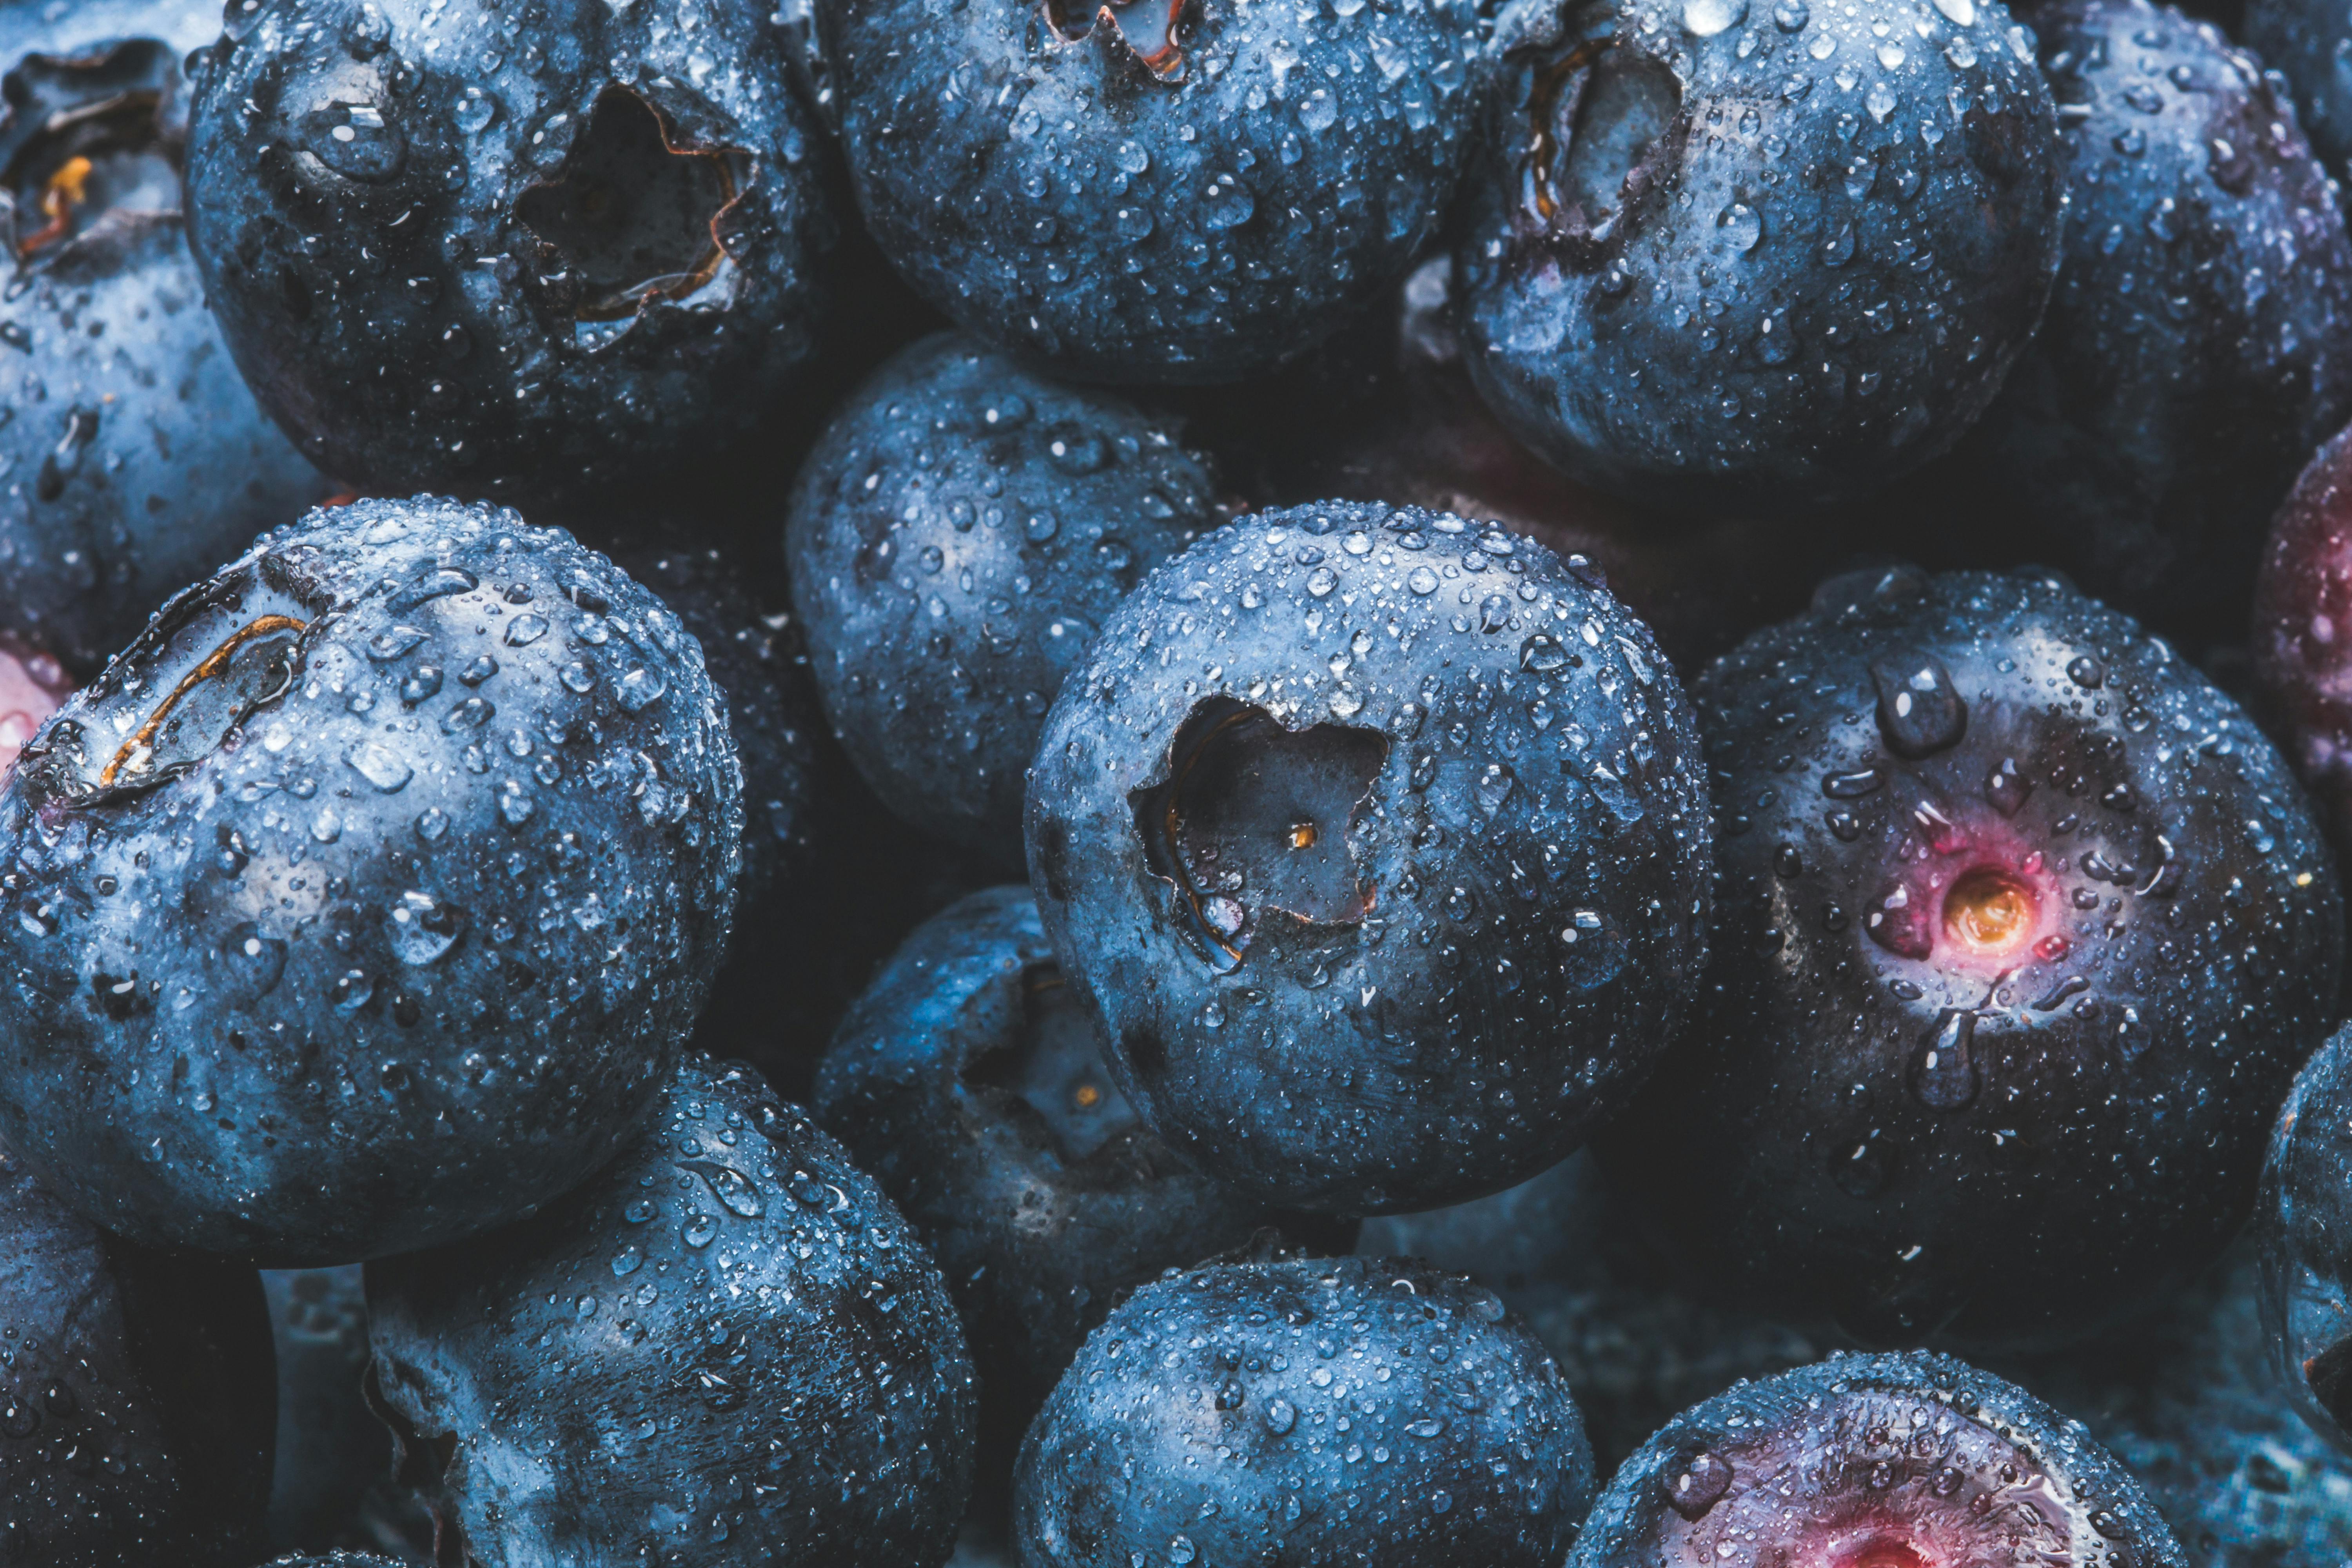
pixel 632 215
pixel 1148 29
pixel 1249 809
pixel 1599 120
pixel 215 656
pixel 86 140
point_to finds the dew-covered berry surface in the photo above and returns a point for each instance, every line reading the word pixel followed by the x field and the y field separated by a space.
pixel 1175 784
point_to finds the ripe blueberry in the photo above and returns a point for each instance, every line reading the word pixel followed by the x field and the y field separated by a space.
pixel 956 538
pixel 2147 446
pixel 135 1395
pixel 1752 256
pixel 416 817
pixel 2302 602
pixel 726 1348
pixel 136 459
pixel 1375 840
pixel 556 252
pixel 1323 1410
pixel 2306 1259
pixel 1884 1461
pixel 1174 191
pixel 2022 929
pixel 969 1082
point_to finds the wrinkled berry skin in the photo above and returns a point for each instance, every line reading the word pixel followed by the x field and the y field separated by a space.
pixel 1375 840
pixel 2307 1231
pixel 2307 41
pixel 1202 1421
pixel 136 461
pixel 135 1399
pixel 2022 930
pixel 960 533
pixel 1899 1460
pixel 566 275
pixel 969 1083
pixel 726 1348
pixel 446 839
pixel 2303 605
pixel 1748 256
pixel 1124 225
pixel 2195 353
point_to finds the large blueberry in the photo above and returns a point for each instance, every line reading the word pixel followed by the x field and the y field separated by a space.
pixel 2310 43
pixel 2022 930
pixel 364 902
pixel 1884 1461
pixel 135 459
pixel 2302 660
pixel 1155 191
pixel 1757 255
pixel 135 1396
pixel 2196 351
pixel 2306 1229
pixel 957 536
pixel 1307 1410
pixel 726 1349
pixel 969 1082
pixel 1375 839
pixel 554 251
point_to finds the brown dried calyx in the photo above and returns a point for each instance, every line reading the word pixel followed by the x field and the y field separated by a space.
pixel 86 137
pixel 634 215
pixel 1150 29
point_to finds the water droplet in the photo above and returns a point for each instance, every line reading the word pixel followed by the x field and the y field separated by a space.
pixel 640 689
pixel 1961 13
pixel 423 927
pixel 1706 18
pixel 735 1191
pixel 1943 1070
pixel 1699 1485
pixel 1280 1417
pixel 380 765
pixel 1740 227
pixel 525 629
pixel 2086 672
pixel 1920 711
pixel 1421 580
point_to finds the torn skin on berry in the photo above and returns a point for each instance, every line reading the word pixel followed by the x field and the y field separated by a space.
pixel 2022 929
pixel 1886 1462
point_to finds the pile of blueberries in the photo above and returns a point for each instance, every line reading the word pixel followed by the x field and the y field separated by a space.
pixel 1234 783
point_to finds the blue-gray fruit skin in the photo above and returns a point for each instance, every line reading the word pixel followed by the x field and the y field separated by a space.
pixel 2022 930
pixel 957 536
pixel 136 461
pixel 1757 254
pixel 366 900
pixel 1904 1459
pixel 2306 1224
pixel 1077 189
pixel 1378 842
pixel 727 1348
pixel 567 251
pixel 1307 1410
pixel 331 1449
pixel 2309 42
pixel 971 1084
pixel 2195 353
pixel 135 1396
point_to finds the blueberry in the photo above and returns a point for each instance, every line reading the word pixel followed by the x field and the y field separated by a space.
pixel 1734 256
pixel 2192 357
pixel 2306 1259
pixel 413 818
pixel 1351 1409
pixel 331 1448
pixel 1878 1462
pixel 1375 840
pixel 955 540
pixel 2021 928
pixel 1182 191
pixel 969 1082
pixel 136 458
pixel 726 1348
pixel 2306 41
pixel 2303 597
pixel 135 1395
pixel 565 251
